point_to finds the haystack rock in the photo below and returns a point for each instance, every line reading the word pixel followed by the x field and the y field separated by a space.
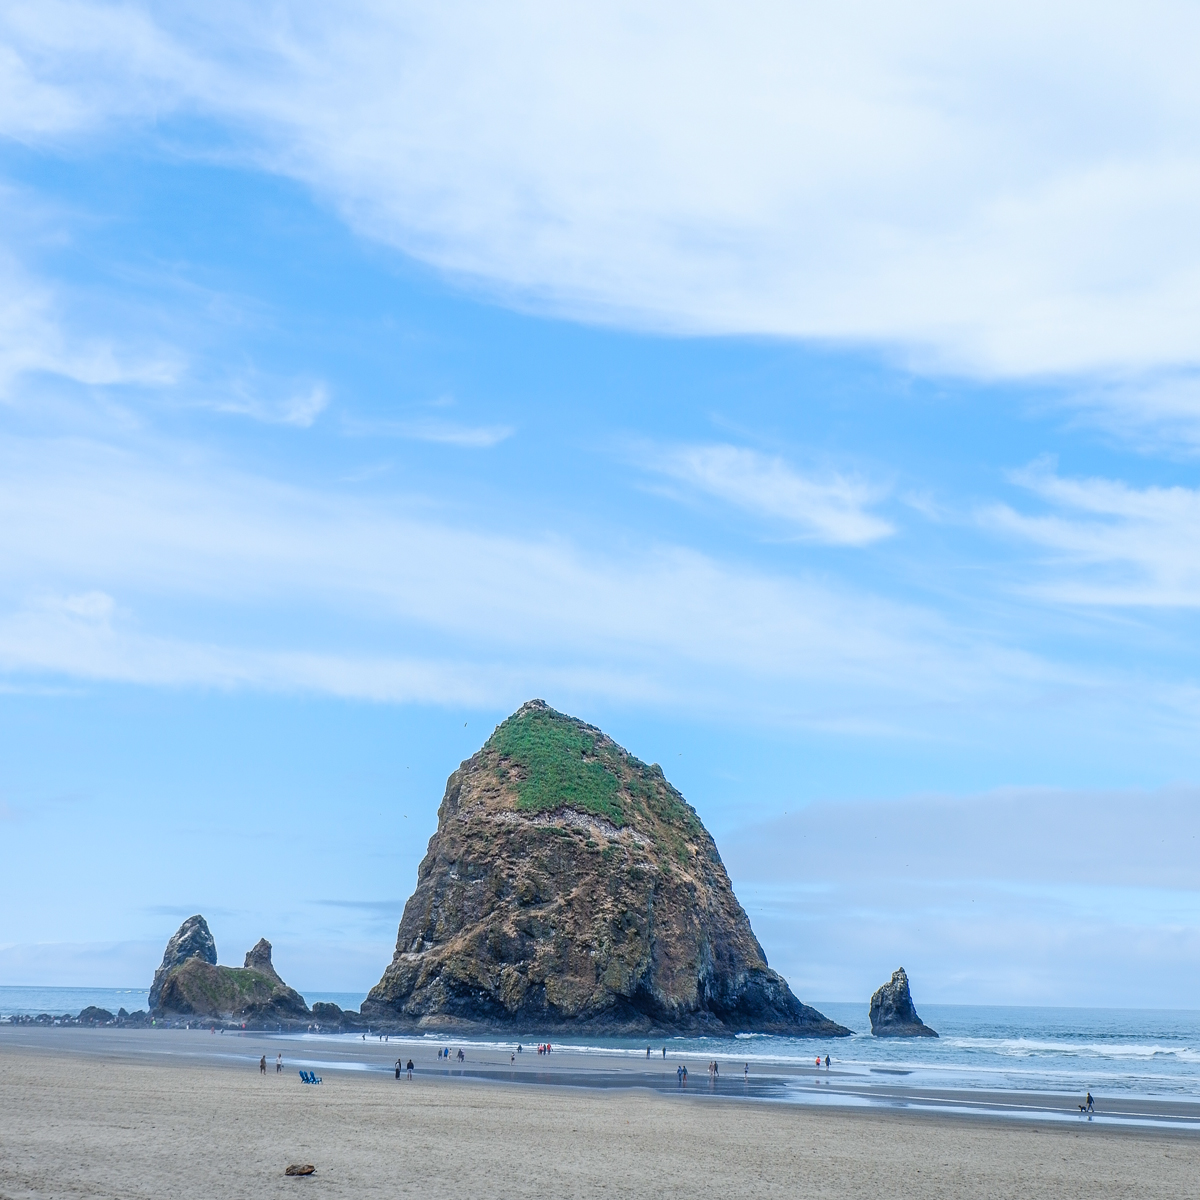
pixel 193 985
pixel 892 1011
pixel 570 887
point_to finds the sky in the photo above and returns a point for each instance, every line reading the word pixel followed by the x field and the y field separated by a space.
pixel 808 396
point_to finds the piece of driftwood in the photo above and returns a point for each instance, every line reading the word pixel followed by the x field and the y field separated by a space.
pixel 298 1169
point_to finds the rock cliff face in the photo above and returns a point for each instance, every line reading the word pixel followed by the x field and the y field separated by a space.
pixel 259 959
pixel 192 939
pixel 194 986
pixel 570 886
pixel 892 1011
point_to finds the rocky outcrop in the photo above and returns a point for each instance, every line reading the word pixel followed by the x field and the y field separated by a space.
pixel 892 1011
pixel 569 886
pixel 193 939
pixel 252 995
pixel 327 1016
pixel 259 959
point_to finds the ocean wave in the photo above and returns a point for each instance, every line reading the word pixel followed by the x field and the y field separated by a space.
pixel 1025 1047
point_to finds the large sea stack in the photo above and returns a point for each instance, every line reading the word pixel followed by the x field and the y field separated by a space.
pixel 893 1013
pixel 570 887
pixel 191 984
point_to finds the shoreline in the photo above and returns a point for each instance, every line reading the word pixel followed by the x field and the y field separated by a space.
pixel 784 1084
pixel 104 1121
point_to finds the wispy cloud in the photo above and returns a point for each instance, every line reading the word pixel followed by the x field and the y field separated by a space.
pixel 1156 412
pixel 1109 543
pixel 662 624
pixel 299 408
pixel 830 508
pixel 423 429
pixel 35 336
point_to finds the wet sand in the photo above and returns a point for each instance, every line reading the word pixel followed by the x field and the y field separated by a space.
pixel 107 1113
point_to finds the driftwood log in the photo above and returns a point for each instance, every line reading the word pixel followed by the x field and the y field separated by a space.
pixel 298 1169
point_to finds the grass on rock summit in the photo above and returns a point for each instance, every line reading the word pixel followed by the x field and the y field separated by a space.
pixel 560 762
pixel 557 759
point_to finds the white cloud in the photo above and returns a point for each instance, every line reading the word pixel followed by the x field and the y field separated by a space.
pixel 1008 188
pixel 162 532
pixel 830 509
pixel 1109 543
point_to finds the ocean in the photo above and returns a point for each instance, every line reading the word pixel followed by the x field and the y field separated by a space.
pixel 1132 1053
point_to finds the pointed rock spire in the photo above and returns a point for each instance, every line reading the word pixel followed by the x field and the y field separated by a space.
pixel 193 939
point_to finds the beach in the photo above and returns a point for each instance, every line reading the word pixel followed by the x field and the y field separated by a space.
pixel 105 1114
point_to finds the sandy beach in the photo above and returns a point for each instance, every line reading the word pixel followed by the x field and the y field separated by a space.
pixel 89 1115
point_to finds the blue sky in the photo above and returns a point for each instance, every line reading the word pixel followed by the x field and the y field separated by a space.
pixel 809 400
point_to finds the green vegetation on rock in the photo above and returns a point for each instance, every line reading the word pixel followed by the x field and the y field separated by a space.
pixel 556 757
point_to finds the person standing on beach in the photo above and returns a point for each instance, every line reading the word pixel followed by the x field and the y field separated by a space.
pixel 397 1068
pixel 262 1065
pixel 664 1054
pixel 279 1064
pixel 827 1062
pixel 647 1051
pixel 410 1068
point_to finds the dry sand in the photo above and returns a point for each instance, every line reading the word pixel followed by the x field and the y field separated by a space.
pixel 111 1126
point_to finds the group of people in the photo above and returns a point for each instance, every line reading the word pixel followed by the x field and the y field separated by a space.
pixel 827 1062
pixel 262 1064
pixel 544 1049
pixel 399 1068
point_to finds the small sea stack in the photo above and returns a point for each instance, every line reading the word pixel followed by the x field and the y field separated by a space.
pixel 189 983
pixel 892 1011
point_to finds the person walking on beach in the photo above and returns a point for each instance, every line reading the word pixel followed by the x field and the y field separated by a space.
pixel 1091 1104
pixel 279 1064
pixel 262 1065
pixel 827 1062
